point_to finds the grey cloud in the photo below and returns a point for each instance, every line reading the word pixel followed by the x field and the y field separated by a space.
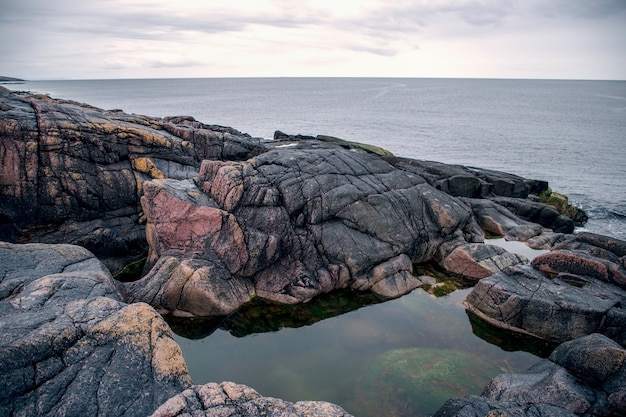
pixel 151 23
pixel 585 9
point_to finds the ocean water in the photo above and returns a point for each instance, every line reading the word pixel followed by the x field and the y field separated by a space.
pixel 570 133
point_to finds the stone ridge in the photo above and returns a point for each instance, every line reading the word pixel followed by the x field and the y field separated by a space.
pixel 73 173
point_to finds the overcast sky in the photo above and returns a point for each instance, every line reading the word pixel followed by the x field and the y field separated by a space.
pixel 93 39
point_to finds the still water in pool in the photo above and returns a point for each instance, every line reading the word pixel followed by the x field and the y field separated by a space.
pixel 401 357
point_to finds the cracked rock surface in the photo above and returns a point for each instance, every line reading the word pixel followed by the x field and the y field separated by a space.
pixel 69 346
pixel 291 224
pixel 72 173
pixel 577 289
pixel 582 377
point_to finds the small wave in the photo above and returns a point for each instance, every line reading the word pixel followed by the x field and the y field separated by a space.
pixel 617 214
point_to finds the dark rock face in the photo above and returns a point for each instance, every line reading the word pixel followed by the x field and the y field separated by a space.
pixel 70 346
pixel 71 173
pixel 291 224
pixel 546 216
pixel 586 376
pixel 562 295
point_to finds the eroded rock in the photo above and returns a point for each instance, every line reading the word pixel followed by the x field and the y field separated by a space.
pixel 234 400
pixel 72 173
pixel 294 223
pixel 70 346
pixel 586 376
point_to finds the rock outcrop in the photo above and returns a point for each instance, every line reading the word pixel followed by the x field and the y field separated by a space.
pixel 70 346
pixel 224 219
pixel 561 295
pixel 291 224
pixel 324 212
pixel 583 377
pixel 72 173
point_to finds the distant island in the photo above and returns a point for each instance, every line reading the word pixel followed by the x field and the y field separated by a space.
pixel 9 79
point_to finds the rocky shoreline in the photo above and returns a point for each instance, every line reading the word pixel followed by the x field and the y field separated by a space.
pixel 216 218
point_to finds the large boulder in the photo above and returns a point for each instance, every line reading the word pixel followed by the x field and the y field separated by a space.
pixel 72 173
pixel 568 306
pixel 563 294
pixel 291 224
pixel 583 377
pixel 70 346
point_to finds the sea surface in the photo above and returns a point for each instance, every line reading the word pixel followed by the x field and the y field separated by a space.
pixel 570 133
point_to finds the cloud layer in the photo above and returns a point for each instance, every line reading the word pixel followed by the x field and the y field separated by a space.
pixel 194 38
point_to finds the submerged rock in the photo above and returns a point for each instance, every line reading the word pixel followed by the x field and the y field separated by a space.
pixel 418 381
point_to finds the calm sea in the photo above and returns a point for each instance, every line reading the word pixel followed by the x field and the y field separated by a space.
pixel 570 133
pixel 406 356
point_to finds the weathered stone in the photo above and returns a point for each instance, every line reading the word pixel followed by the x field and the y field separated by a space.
pixel 475 406
pixel 542 214
pixel 70 346
pixel 586 376
pixel 581 263
pixel 478 260
pixel 594 359
pixel 232 400
pixel 560 309
pixel 190 287
pixel 294 223
pixel 497 220
pixel 72 173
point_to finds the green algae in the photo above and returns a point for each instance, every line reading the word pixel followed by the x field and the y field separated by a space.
pixel 413 381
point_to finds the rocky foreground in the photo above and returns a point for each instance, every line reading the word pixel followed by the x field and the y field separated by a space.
pixel 217 218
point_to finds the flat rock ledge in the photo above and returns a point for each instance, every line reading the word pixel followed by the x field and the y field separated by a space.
pixel 583 377
pixel 70 346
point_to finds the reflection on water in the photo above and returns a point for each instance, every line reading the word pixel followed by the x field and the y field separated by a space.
pixel 352 349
